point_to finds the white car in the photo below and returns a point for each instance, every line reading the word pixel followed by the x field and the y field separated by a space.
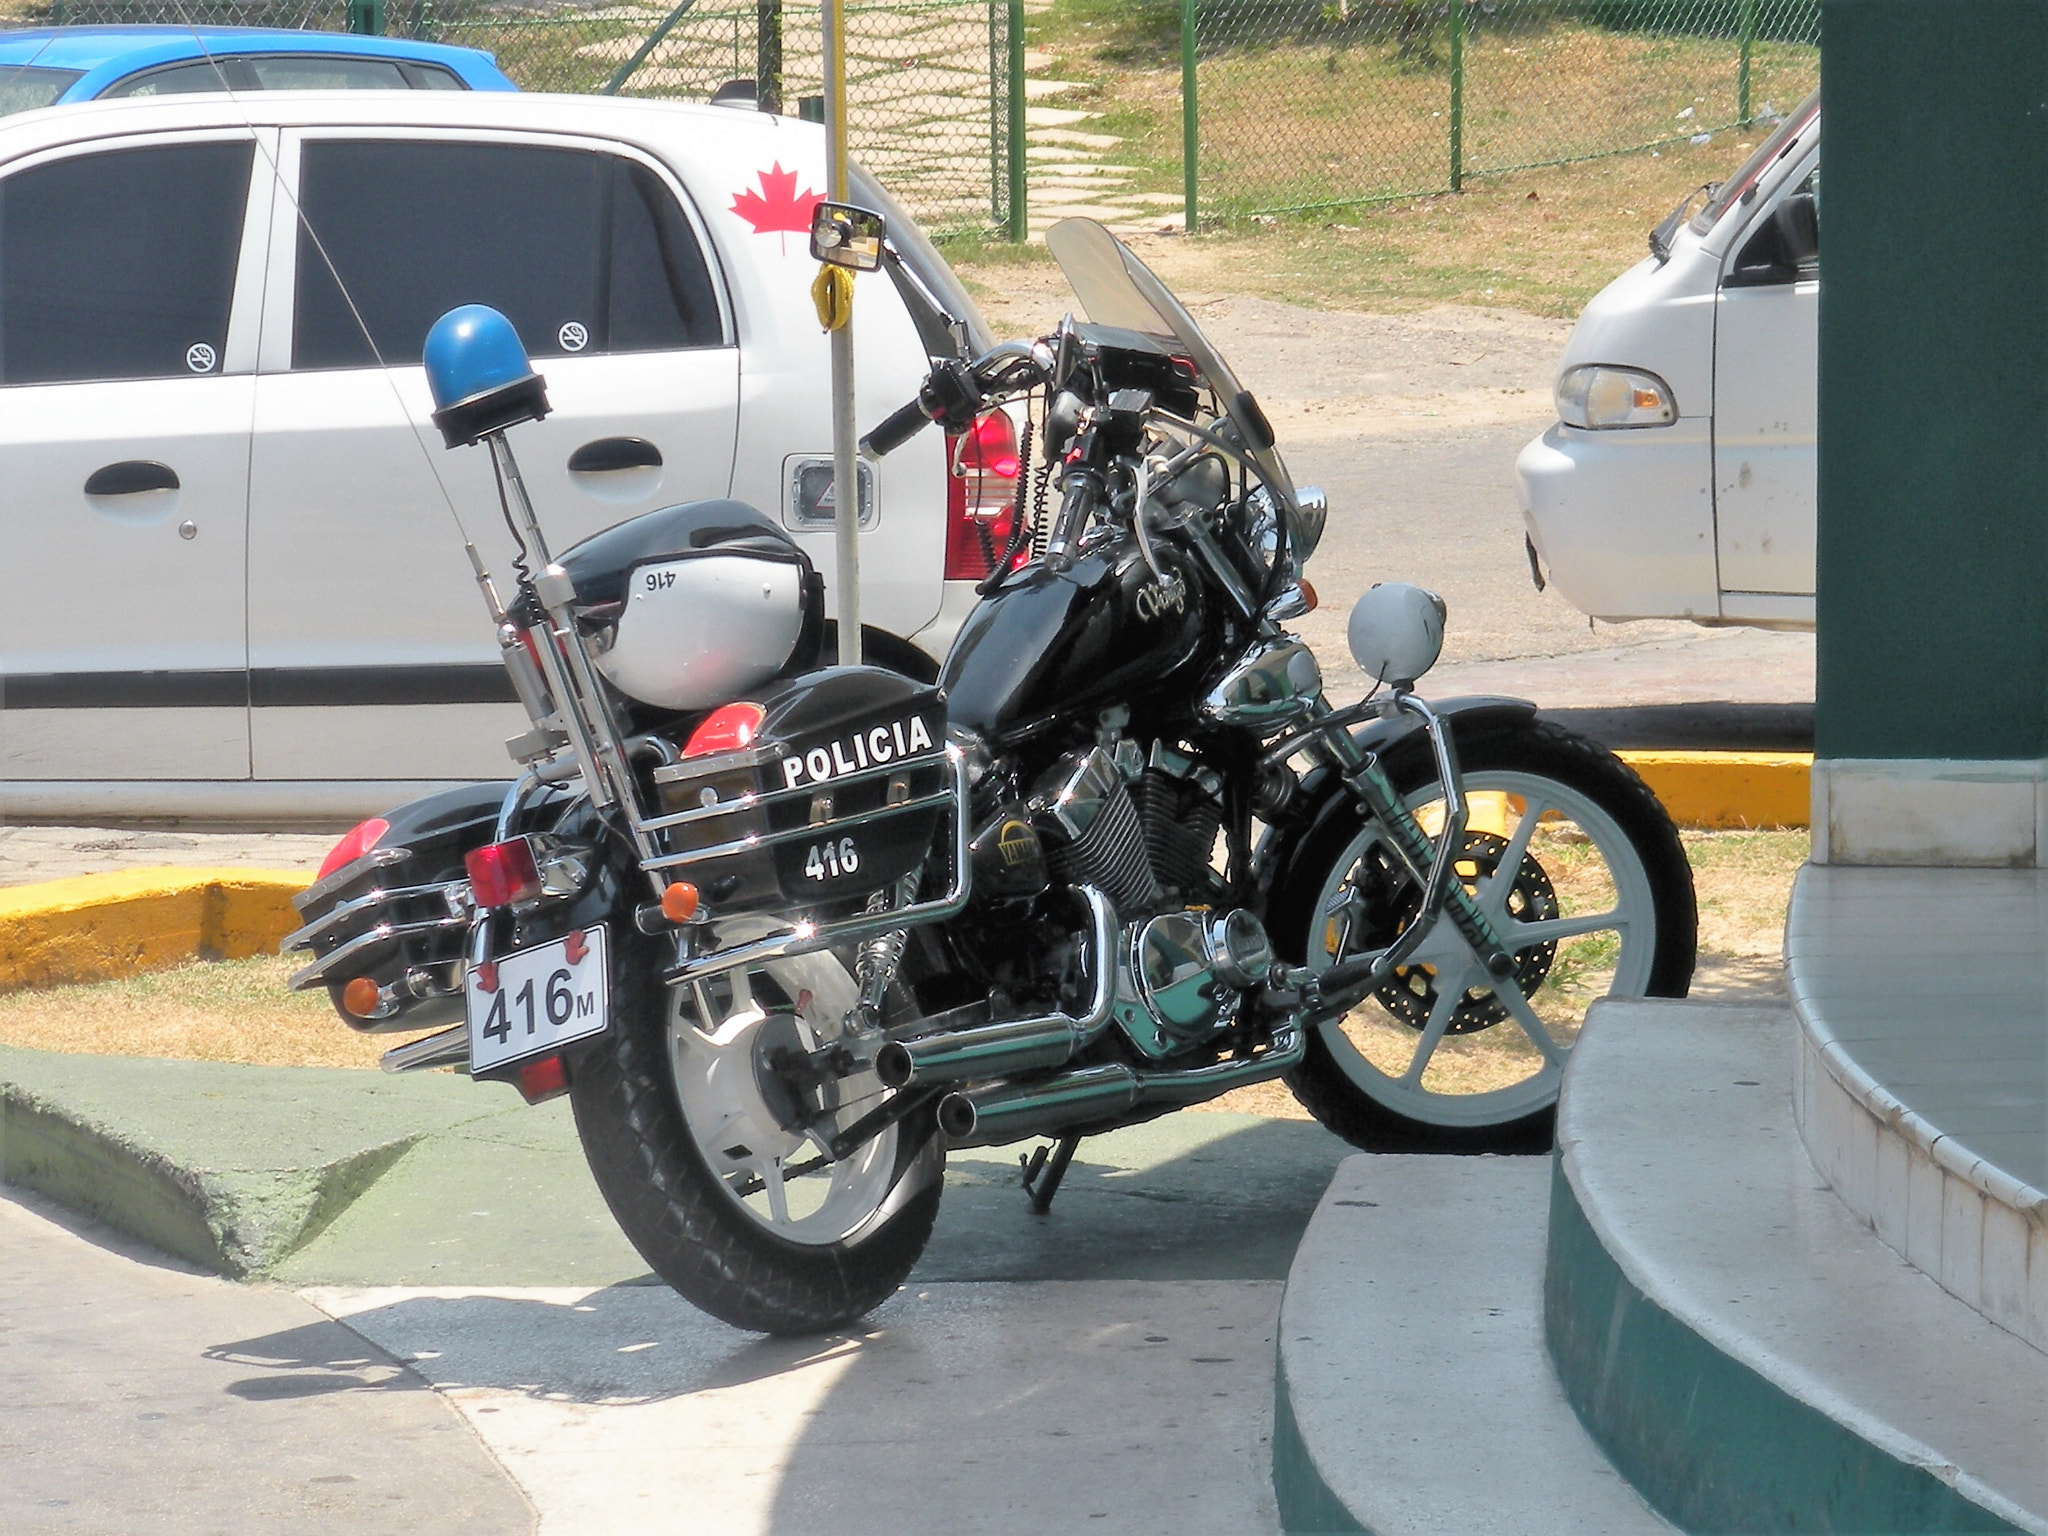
pixel 234 581
pixel 1679 479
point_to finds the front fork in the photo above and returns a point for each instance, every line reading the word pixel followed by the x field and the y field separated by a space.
pixel 1433 865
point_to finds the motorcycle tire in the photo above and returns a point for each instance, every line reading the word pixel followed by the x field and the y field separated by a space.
pixel 684 1145
pixel 1438 1060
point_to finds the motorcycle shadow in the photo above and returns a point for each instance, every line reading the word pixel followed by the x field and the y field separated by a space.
pixel 1194 1196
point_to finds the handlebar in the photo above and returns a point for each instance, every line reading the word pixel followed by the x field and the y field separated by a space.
pixel 896 429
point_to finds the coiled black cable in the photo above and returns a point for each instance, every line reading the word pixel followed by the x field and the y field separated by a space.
pixel 1020 527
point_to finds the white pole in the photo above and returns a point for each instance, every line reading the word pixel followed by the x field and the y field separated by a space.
pixel 845 470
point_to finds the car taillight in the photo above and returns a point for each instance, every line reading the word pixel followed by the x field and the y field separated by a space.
pixel 727 728
pixel 359 840
pixel 502 873
pixel 981 496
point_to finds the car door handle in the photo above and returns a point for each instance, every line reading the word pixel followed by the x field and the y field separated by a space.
pixel 610 453
pixel 131 477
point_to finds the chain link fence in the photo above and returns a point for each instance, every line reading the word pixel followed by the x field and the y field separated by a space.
pixel 1277 105
pixel 1300 104
pixel 928 81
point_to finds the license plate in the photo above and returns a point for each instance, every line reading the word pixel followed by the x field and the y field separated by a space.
pixel 528 1003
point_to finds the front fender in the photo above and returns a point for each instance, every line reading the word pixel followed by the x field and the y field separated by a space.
pixel 1322 796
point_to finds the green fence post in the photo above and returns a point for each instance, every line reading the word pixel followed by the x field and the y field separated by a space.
pixel 366 16
pixel 998 115
pixel 1742 67
pixel 1457 28
pixel 1190 115
pixel 1020 230
pixel 768 55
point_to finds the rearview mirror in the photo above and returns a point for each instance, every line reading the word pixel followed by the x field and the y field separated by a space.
pixel 845 236
pixel 1798 221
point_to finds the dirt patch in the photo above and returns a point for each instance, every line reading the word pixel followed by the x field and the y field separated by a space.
pixel 232 1010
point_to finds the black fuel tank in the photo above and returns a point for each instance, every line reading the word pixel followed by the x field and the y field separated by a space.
pixel 1073 641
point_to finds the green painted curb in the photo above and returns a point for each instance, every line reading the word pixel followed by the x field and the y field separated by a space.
pixel 1307 1506
pixel 233 1168
pixel 1712 1445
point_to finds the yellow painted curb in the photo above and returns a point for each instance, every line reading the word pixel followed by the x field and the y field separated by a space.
pixel 1729 789
pixel 94 927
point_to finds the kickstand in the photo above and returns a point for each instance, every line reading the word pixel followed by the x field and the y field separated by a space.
pixel 1043 1170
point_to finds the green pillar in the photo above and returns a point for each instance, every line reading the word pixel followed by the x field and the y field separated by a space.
pixel 1933 559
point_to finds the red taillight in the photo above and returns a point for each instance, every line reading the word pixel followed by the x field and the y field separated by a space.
pixel 981 496
pixel 502 873
pixel 543 1078
pixel 359 841
pixel 991 446
pixel 726 729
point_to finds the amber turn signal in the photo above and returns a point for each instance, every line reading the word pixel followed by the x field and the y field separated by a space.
pixel 679 902
pixel 361 997
pixel 1308 595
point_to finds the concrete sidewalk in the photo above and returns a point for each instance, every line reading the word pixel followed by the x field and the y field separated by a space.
pixel 1110 1363
pixel 139 1396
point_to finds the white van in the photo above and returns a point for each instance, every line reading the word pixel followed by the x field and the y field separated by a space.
pixel 1678 481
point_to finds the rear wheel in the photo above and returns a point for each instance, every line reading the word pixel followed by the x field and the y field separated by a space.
pixel 698 1145
pixel 1580 869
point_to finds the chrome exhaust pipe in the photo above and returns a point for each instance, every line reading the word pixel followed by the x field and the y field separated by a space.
pixel 990 1050
pixel 1015 1045
pixel 999 1112
pixel 1011 1111
pixel 449 1048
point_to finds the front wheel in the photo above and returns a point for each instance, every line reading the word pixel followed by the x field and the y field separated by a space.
pixel 1583 875
pixel 698 1146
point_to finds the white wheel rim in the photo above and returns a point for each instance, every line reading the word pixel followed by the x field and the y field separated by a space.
pixel 1419 1080
pixel 785 1181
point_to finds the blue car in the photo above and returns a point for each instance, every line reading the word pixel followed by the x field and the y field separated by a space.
pixel 42 66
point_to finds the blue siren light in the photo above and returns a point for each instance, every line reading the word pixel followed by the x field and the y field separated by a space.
pixel 481 379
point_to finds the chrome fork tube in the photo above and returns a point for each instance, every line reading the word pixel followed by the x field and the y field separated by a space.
pixel 1432 865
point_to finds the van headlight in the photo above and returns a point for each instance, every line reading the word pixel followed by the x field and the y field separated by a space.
pixel 1597 396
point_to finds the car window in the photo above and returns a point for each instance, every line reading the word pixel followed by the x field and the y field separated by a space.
pixel 585 252
pixel 174 80
pixel 431 77
pixel 23 87
pixel 120 265
pixel 285 73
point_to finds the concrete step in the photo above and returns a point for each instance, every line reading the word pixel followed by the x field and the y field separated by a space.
pixel 1413 1393
pixel 1922 1090
pixel 1744 1348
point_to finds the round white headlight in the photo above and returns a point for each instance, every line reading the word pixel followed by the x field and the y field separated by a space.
pixel 1596 396
pixel 1397 632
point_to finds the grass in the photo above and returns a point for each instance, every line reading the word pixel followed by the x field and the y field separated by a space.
pixel 1321 105
pixel 228 1010
pixel 1543 241
pixel 1320 111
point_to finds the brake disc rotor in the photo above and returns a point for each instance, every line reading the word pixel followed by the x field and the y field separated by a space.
pixel 1411 992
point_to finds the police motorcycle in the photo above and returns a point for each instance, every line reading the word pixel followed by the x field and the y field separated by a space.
pixel 785 931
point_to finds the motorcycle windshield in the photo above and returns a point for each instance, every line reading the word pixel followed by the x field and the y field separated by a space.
pixel 1116 288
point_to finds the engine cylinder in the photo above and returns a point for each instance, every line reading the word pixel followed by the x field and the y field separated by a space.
pixel 1096 838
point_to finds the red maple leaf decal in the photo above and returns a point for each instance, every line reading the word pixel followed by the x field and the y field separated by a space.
pixel 778 208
